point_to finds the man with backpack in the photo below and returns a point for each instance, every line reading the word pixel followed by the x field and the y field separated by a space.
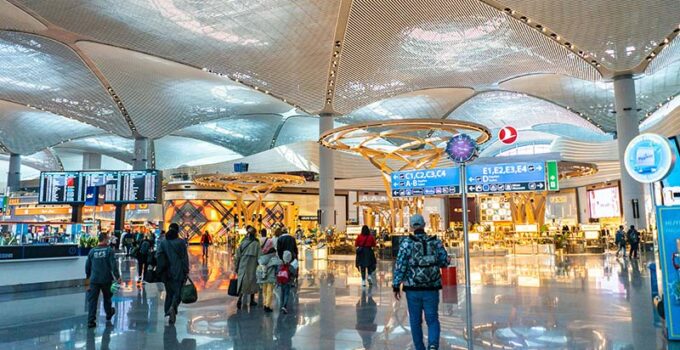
pixel 417 268
pixel 634 240
pixel 620 242
pixel 144 252
pixel 101 269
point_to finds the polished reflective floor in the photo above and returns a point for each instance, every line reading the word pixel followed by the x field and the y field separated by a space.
pixel 530 302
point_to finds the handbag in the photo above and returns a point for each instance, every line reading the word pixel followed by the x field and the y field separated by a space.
pixel 233 287
pixel 188 294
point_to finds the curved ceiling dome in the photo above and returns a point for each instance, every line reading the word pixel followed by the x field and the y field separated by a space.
pixel 213 80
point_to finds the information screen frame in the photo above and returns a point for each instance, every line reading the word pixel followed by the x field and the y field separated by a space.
pixel 42 190
pixel 81 190
pixel 614 189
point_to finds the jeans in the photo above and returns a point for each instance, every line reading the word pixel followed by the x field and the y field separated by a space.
pixel 205 250
pixel 634 247
pixel 285 294
pixel 622 248
pixel 141 265
pixel 427 301
pixel 267 294
pixel 366 272
pixel 93 300
pixel 172 295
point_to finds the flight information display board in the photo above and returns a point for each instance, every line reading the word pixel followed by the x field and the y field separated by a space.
pixel 58 187
pixel 508 177
pixel 70 187
pixel 136 186
pixel 431 182
pixel 96 179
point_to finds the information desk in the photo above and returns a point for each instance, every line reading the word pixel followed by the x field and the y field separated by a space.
pixel 38 251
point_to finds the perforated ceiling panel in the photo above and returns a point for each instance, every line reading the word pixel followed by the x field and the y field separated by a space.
pixel 163 96
pixel 619 33
pixel 496 109
pixel 393 47
pixel 245 135
pixel 46 74
pixel 298 129
pixel 25 130
pixel 430 103
pixel 594 100
pixel 12 18
pixel 113 146
pixel 174 151
pixel 654 90
pixel 668 56
pixel 281 46
pixel 43 160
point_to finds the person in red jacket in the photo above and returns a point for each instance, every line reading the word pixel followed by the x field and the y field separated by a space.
pixel 365 259
pixel 206 241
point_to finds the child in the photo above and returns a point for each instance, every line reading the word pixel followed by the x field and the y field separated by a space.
pixel 284 278
pixel 268 266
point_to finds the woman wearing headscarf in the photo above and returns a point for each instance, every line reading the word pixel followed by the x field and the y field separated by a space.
pixel 266 273
pixel 365 259
pixel 245 263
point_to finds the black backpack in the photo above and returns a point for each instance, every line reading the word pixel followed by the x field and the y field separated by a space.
pixel 425 271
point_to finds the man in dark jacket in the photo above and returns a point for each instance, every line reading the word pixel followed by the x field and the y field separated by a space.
pixel 101 269
pixel 418 269
pixel 173 264
pixel 634 240
pixel 286 242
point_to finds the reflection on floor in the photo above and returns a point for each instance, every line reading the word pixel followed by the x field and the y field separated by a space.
pixel 534 302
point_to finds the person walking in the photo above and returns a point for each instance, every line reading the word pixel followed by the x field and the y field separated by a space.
pixel 145 250
pixel 245 263
pixel 417 268
pixel 284 279
pixel 365 257
pixel 101 269
pixel 173 264
pixel 269 264
pixel 620 240
pixel 206 241
pixel 634 240
pixel 286 242
pixel 263 237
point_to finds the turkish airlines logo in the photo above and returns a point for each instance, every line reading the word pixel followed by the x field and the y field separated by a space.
pixel 508 135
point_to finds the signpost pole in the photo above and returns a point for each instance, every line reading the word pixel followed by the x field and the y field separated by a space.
pixel 466 254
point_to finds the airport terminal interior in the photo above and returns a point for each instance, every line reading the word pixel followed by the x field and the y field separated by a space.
pixel 536 142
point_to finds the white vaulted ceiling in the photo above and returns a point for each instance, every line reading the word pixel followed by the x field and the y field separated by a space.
pixel 216 80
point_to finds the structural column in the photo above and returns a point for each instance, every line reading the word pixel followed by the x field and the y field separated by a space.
pixel 143 154
pixel 14 174
pixel 92 161
pixel 627 127
pixel 326 177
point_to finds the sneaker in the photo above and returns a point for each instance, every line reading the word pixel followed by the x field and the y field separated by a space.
pixel 268 309
pixel 91 325
pixel 113 312
pixel 432 347
pixel 284 310
pixel 173 316
pixel 253 303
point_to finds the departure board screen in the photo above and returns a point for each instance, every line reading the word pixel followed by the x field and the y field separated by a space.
pixel 96 179
pixel 58 187
pixel 134 186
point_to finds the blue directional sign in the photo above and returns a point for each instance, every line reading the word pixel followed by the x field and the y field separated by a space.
pixel 508 177
pixel 432 182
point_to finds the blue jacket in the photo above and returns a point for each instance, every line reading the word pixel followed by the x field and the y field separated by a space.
pixel 101 267
pixel 404 273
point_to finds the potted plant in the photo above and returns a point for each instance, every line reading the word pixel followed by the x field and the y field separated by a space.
pixel 86 243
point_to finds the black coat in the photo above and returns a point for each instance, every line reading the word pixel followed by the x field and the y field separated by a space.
pixel 173 260
pixel 286 242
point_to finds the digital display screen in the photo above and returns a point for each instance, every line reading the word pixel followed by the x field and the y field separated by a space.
pixel 96 179
pixel 134 186
pixel 673 178
pixel 604 203
pixel 58 187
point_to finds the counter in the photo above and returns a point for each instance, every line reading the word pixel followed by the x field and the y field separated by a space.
pixel 37 251
pixel 39 267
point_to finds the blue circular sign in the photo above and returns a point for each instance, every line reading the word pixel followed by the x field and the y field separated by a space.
pixel 461 148
pixel 648 158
